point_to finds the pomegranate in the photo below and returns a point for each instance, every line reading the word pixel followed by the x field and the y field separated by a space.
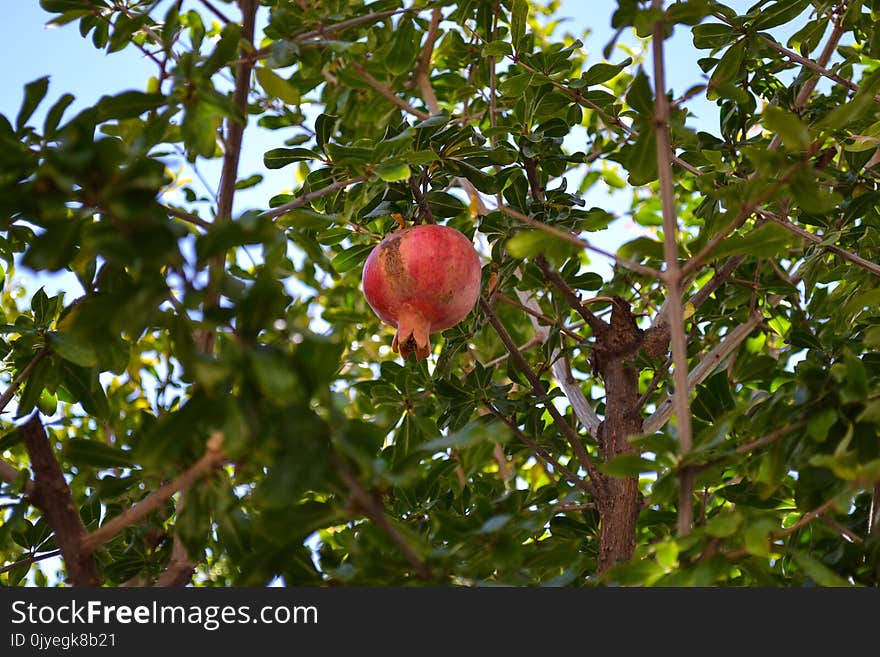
pixel 422 280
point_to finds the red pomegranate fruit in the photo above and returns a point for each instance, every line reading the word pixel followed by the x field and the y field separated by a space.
pixel 422 280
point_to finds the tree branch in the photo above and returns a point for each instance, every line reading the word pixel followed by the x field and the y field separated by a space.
pixel 597 325
pixel 28 561
pixel 872 267
pixel 540 452
pixel 561 369
pixel 309 197
pixel 423 68
pixel 212 458
pixel 386 92
pixel 539 391
pixel 52 496
pixel 375 512
pixel 231 157
pixel 573 239
pixel 17 382
pixel 703 369
pixel 673 278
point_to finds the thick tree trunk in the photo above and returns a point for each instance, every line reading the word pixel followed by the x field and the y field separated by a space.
pixel 620 501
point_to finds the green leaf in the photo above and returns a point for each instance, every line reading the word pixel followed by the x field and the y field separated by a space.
pixel 532 242
pixel 73 348
pixel 817 571
pixel 275 377
pixel 627 465
pixel 34 92
pixel 53 116
pixel 640 97
pixel 324 126
pixel 519 15
pixel 724 524
pixel 393 172
pixel 404 48
pixel 497 49
pixel 820 424
pixel 84 386
pixel 602 72
pixel 277 87
pixel 351 258
pixel 794 133
pixel 81 452
pixel 779 13
pixel 712 35
pixel 768 240
pixel 444 205
pixel 127 105
pixel 281 157
pixel 730 65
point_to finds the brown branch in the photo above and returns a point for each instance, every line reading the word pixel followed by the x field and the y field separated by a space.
pixel 187 217
pixel 561 369
pixel 17 382
pixel 423 68
pixel 375 512
pixel 212 458
pixel 231 156
pixel 804 94
pixel 262 53
pixel 309 197
pixel 540 452
pixel 745 212
pixel 214 10
pixel 386 92
pixel 28 561
pixel 52 496
pixel 549 321
pixel 673 277
pixel 703 369
pixel 577 241
pixel 571 298
pixel 846 532
pixel 533 342
pixel 872 267
pixel 874 511
pixel 539 391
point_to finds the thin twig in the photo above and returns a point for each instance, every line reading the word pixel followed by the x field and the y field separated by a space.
pixel 872 267
pixel 323 30
pixel 386 92
pixel 745 212
pixel 375 512
pixel 704 368
pixel 577 241
pixel 540 452
pixel 214 10
pixel 561 369
pixel 539 391
pixel 27 561
pixel 212 458
pixel 537 314
pixel 17 382
pixel 187 217
pixel 571 298
pixel 309 197
pixel 804 94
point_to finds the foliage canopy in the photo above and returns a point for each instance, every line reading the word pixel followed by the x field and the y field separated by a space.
pixel 706 413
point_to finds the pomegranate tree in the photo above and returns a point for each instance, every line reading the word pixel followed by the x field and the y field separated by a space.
pixel 422 280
